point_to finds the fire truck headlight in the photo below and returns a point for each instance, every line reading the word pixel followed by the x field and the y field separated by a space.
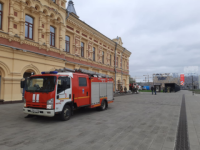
pixel 50 104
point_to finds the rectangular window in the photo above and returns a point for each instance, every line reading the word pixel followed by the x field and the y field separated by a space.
pixel 41 84
pixel 52 36
pixel 82 81
pixel 117 62
pixel 29 27
pixel 110 59
pixel 61 84
pixel 1 15
pixel 67 44
pixel 93 54
pixel 54 1
pixel 82 49
pixel 121 63
pixel 114 60
pixel 102 57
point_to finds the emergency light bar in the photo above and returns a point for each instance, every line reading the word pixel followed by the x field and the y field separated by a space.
pixel 50 72
pixel 83 71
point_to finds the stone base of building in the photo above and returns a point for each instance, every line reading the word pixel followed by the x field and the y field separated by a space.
pixel 10 102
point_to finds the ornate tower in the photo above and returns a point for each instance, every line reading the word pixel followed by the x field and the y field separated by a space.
pixel 70 7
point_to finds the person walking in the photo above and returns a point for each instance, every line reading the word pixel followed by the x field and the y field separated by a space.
pixel 155 90
pixel 152 89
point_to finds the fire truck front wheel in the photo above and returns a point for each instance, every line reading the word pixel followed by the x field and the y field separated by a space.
pixel 66 113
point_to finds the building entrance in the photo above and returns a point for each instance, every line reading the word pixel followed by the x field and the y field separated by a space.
pixel 1 82
pixel 0 85
pixel 28 73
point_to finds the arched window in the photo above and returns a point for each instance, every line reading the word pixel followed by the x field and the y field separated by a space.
pixel 52 36
pixel 93 54
pixel 1 15
pixel 29 27
pixel 82 49
pixel 45 11
pixel 67 44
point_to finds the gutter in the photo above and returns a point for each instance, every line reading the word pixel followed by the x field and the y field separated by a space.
pixel 68 13
pixel 115 65
pixel 121 64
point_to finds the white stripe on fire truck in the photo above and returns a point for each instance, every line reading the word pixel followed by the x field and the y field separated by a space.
pixel 33 97
pixel 37 98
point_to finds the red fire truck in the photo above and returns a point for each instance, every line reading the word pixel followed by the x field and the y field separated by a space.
pixel 62 91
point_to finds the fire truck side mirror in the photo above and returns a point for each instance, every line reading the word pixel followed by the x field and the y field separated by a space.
pixel 22 84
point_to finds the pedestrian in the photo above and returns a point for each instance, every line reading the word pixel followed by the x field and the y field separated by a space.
pixel 121 89
pixel 152 90
pixel 155 90
pixel 125 89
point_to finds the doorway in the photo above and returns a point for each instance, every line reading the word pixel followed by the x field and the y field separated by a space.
pixel 28 74
pixel 0 84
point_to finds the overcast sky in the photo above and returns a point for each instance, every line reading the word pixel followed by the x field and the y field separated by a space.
pixel 163 35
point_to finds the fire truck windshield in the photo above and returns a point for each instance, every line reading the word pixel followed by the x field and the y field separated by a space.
pixel 41 84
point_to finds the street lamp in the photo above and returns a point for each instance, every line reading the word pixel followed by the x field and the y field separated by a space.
pixel 148 78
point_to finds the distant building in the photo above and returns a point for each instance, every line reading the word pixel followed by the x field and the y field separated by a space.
pixel 191 81
pixel 162 78
pixel 191 78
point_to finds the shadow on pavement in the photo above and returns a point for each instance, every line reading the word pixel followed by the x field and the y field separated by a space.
pixel 77 113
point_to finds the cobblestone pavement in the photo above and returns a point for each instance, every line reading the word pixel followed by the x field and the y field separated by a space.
pixel 193 119
pixel 133 122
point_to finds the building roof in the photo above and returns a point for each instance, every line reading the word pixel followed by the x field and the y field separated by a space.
pixel 70 7
pixel 71 4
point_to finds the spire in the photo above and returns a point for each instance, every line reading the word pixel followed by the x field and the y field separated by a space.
pixel 70 7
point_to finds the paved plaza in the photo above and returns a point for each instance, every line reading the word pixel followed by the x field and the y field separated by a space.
pixel 133 122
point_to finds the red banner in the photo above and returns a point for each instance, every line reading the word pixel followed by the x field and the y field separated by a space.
pixel 182 77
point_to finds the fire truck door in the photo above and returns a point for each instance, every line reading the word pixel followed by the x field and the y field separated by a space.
pixel 83 98
pixel 63 94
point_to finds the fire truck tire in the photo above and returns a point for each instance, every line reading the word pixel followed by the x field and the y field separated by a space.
pixel 103 105
pixel 66 113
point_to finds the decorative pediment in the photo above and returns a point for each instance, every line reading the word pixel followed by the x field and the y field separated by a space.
pixel 118 40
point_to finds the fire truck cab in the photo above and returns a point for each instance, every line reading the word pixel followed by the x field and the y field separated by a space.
pixel 62 91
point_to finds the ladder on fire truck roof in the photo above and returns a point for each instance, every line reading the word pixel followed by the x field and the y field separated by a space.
pixel 84 71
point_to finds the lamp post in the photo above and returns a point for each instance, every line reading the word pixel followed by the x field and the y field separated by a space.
pixel 147 77
pixel 153 79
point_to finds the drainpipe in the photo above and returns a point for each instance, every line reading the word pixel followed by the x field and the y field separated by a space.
pixel 121 64
pixel 115 66
pixel 68 13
